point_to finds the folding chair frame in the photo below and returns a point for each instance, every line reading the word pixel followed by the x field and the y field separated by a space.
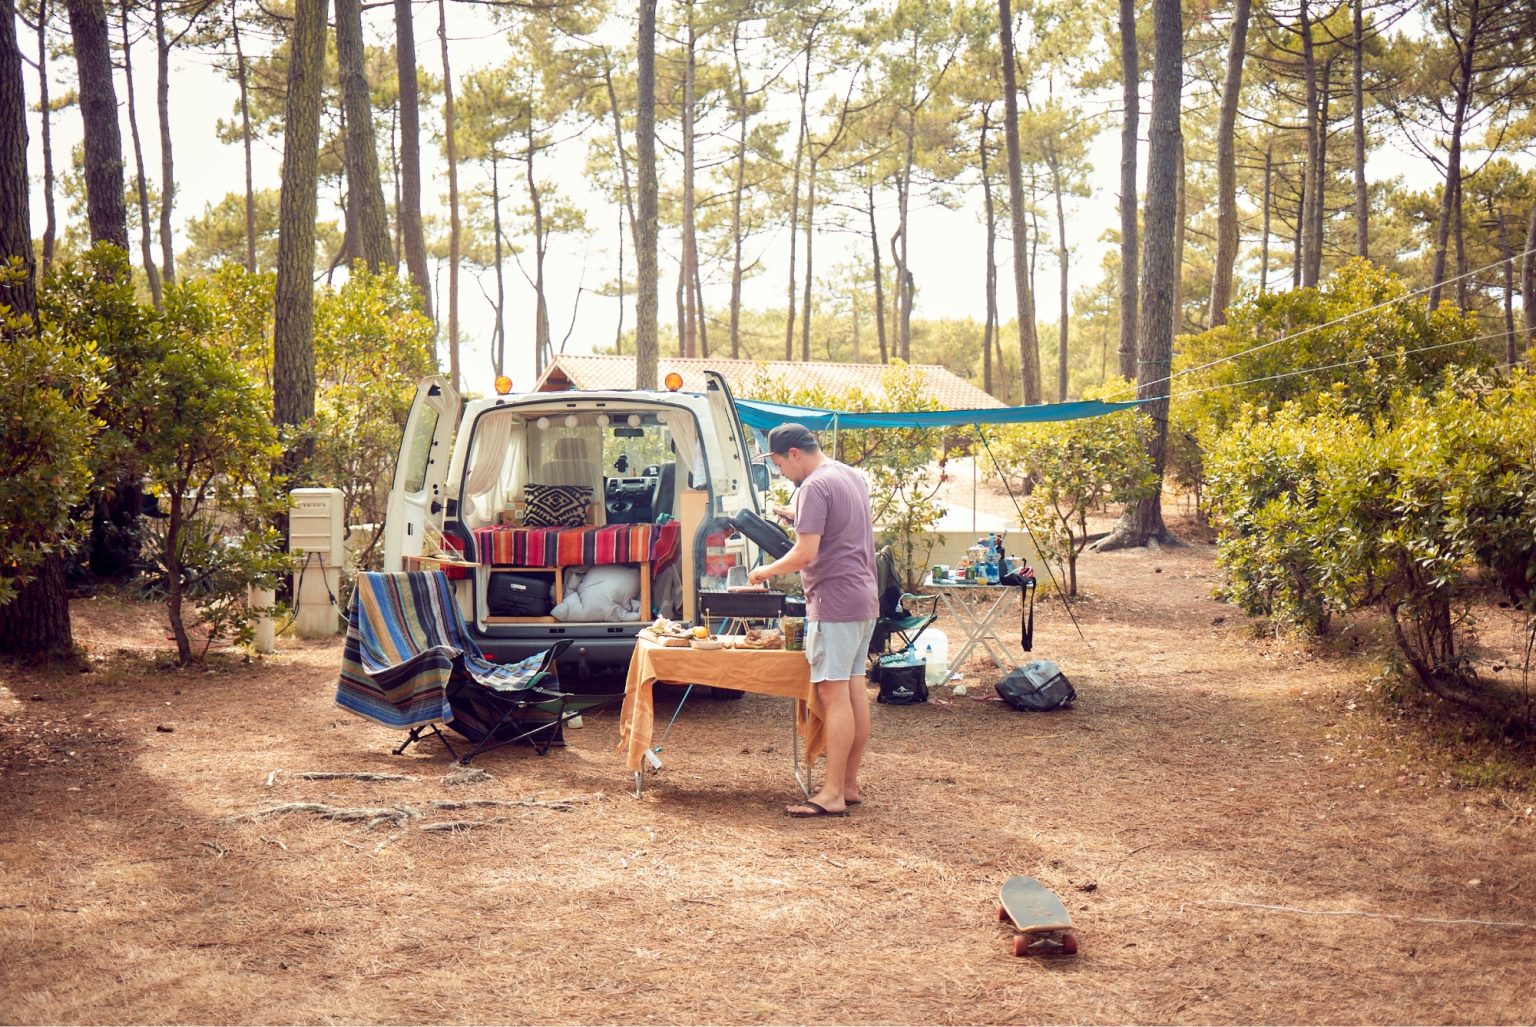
pixel 559 707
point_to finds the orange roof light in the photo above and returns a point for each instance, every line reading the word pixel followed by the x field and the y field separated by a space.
pixel 673 381
pixel 503 385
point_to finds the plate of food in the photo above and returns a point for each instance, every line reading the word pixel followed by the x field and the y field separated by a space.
pixel 762 638
pixel 707 643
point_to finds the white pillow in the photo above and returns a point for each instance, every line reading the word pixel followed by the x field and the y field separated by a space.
pixel 605 593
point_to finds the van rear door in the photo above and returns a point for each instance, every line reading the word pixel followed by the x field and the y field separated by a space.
pixel 735 491
pixel 421 473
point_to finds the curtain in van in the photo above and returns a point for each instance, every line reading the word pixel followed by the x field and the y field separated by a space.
pixel 492 433
pixel 685 439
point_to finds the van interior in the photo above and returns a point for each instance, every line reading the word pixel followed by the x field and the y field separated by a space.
pixel 641 464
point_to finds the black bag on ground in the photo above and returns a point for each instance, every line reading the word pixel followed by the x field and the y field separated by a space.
pixel 901 683
pixel 519 595
pixel 1037 686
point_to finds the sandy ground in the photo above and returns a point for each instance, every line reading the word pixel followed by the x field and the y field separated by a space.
pixel 1241 831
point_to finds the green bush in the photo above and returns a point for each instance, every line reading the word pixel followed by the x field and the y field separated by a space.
pixel 208 449
pixel 46 413
pixel 1070 469
pixel 1406 513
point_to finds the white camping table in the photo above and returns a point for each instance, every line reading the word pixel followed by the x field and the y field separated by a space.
pixel 976 607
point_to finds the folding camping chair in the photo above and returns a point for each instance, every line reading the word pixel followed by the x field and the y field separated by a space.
pixel 902 617
pixel 409 663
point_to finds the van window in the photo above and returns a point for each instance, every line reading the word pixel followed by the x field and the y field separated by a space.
pixel 419 450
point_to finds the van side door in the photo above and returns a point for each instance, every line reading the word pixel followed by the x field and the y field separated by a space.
pixel 417 496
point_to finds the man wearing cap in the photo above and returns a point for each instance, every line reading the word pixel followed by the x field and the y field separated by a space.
pixel 834 553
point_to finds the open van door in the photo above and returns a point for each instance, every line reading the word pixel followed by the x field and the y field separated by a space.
pixel 735 492
pixel 421 473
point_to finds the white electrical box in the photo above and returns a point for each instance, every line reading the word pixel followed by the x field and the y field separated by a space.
pixel 316 518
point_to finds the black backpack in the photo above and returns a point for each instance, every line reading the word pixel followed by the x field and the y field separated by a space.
pixel 1036 687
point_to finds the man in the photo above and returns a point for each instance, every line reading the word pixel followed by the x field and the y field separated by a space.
pixel 834 552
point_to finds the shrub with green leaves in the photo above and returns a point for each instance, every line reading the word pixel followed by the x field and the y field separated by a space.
pixel 1403 513
pixel 208 450
pixel 47 427
pixel 1069 469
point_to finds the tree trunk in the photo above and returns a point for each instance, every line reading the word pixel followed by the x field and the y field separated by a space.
pixel 794 203
pixel 293 352
pixel 990 268
pixel 1143 520
pixel 167 164
pixel 1296 242
pixel 365 192
pixel 1226 168
pixel 810 222
pixel 245 136
pixel 1312 193
pixel 455 226
pixel 1029 348
pixel 1357 91
pixel 1063 261
pixel 1451 194
pixel 543 347
pixel 904 236
pixel 37 620
pixel 1269 169
pixel 1129 251
pixel 499 330
pixel 15 201
pixel 1528 289
pixel 1462 301
pixel 738 189
pixel 690 339
pixel 146 243
pixel 412 232
pixel 51 221
pixel 874 245
pixel 98 109
pixel 1509 290
pixel 1320 179
pixel 698 300
pixel 645 234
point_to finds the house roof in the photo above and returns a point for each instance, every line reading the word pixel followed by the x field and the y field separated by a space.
pixel 594 372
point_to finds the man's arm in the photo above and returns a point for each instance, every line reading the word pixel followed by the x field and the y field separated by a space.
pixel 797 559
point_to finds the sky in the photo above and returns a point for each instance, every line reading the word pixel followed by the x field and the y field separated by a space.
pixel 946 244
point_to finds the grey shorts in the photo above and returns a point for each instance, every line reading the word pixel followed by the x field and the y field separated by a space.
pixel 837 649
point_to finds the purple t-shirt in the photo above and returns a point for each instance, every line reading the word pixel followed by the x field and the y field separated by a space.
pixel 833 502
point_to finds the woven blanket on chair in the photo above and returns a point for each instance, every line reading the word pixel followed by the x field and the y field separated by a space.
pixel 405 643
pixel 504 546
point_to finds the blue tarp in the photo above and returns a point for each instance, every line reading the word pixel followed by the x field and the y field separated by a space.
pixel 765 416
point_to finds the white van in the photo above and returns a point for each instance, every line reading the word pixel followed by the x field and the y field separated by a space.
pixel 679 463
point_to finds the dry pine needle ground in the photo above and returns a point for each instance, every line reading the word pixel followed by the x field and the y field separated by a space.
pixel 1202 768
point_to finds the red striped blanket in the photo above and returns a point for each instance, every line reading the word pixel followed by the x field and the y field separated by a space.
pixel 507 546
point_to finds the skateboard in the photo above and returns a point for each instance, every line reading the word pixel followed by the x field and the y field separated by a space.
pixel 1043 923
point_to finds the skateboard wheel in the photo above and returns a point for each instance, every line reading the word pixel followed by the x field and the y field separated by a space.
pixel 1002 914
pixel 1069 944
pixel 1021 943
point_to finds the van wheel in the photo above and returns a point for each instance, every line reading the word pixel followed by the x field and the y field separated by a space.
pixel 725 694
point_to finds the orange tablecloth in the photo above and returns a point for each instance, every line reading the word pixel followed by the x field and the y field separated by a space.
pixel 767 672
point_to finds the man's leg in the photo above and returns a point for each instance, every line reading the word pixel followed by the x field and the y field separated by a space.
pixel 838 715
pixel 858 702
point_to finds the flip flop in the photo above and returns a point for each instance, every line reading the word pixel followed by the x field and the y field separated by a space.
pixel 821 811
pixel 854 802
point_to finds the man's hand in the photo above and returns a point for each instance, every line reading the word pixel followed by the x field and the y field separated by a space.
pixel 785 513
pixel 757 576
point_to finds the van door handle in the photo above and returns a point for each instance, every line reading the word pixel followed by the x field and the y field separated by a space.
pixel 436 507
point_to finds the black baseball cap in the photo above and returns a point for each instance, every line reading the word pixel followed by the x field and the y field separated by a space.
pixel 789 436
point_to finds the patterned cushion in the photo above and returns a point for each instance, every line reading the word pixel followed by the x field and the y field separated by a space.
pixel 557 506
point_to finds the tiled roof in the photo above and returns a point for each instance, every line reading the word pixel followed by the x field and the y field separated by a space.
pixel 618 372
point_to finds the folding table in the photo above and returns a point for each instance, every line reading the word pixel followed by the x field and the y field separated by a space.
pixel 763 671
pixel 976 606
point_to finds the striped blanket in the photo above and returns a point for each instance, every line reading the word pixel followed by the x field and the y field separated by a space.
pixel 506 546
pixel 405 643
